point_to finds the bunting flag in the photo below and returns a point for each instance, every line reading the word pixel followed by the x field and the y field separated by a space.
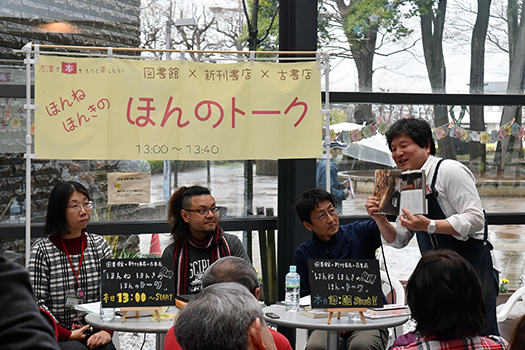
pixel 446 130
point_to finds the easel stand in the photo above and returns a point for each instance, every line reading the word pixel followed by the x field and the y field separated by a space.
pixel 138 309
pixel 351 309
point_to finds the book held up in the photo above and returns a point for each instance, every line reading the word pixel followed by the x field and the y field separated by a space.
pixel 396 190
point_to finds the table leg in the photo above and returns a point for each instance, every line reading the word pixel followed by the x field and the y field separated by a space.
pixel 159 341
pixel 332 340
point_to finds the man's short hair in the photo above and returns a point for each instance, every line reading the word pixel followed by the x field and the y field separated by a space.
pixel 444 296
pixel 306 203
pixel 417 129
pixel 218 318
pixel 231 269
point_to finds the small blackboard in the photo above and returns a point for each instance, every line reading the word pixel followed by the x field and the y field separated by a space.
pixel 345 283
pixel 137 282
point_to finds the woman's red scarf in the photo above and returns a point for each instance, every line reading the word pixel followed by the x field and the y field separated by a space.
pixel 181 258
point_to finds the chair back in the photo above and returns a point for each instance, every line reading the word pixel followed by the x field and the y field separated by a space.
pixel 388 284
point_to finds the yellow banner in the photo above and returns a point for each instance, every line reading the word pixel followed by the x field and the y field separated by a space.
pixel 93 108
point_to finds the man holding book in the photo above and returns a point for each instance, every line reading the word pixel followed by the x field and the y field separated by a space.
pixel 455 219
pixel 357 240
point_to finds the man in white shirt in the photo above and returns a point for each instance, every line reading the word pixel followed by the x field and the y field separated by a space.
pixel 455 219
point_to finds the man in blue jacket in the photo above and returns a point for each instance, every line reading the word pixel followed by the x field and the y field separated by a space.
pixel 357 240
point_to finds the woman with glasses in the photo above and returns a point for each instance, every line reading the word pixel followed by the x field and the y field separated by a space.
pixel 65 267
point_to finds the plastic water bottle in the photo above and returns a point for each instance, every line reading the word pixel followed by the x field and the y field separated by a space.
pixel 14 213
pixel 23 213
pixel 293 283
pixel 106 313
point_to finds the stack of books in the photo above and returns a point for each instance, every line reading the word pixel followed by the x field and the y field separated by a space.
pixel 388 310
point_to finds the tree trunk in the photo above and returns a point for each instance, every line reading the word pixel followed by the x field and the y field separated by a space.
pixel 478 155
pixel 432 25
pixel 510 147
pixel 363 54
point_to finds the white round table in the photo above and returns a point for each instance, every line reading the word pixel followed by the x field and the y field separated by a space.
pixel 298 320
pixel 140 325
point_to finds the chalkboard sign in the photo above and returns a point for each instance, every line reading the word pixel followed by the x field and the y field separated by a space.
pixel 345 283
pixel 137 282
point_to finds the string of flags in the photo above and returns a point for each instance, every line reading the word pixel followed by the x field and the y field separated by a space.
pixel 446 130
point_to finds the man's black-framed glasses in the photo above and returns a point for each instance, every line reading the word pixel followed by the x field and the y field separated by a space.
pixel 204 211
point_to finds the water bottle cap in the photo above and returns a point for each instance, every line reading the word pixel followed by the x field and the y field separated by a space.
pixel 293 268
pixel 15 202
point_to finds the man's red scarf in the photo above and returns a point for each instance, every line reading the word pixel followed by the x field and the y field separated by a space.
pixel 181 258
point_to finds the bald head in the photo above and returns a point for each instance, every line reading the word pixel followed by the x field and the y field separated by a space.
pixel 231 269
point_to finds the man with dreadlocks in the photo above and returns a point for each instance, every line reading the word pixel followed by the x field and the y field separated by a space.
pixel 198 240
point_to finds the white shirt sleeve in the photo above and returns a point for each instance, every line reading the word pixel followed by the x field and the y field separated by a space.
pixel 403 236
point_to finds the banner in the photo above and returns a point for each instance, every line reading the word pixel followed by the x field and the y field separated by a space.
pixel 95 108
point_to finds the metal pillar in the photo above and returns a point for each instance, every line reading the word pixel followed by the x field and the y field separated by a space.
pixel 297 32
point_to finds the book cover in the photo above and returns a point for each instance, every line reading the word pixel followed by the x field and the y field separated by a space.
pixel 389 310
pixel 395 190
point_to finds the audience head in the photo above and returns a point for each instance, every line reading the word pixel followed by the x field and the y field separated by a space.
pixel 183 213
pixel 444 296
pixel 232 269
pixel 417 129
pixel 57 219
pixel 223 316
pixel 309 200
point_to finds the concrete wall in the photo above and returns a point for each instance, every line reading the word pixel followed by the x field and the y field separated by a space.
pixel 93 23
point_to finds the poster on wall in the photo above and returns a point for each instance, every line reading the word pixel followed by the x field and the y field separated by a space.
pixel 95 108
pixel 12 125
pixel 129 188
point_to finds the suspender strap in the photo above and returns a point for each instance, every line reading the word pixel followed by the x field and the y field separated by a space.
pixel 433 185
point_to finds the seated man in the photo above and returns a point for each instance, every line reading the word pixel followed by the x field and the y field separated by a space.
pixel 231 269
pixel 445 297
pixel 358 240
pixel 223 316
pixel 197 237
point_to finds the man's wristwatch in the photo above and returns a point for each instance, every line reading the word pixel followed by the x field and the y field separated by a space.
pixel 431 227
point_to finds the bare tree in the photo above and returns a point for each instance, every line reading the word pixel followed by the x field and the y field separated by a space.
pixel 153 17
pixel 511 147
pixel 230 22
pixel 367 25
pixel 198 37
pixel 432 20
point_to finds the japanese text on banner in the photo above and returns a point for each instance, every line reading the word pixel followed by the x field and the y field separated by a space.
pixel 90 108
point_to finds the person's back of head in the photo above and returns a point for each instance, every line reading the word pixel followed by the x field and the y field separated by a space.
pixel 231 269
pixel 517 340
pixel 307 201
pixel 219 318
pixel 444 296
pixel 417 129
